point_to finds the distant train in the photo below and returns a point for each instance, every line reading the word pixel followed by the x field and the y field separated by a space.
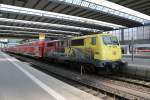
pixel 97 52
pixel 137 48
pixel 143 48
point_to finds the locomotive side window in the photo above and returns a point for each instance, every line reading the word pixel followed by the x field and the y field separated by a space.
pixel 93 40
pixel 77 42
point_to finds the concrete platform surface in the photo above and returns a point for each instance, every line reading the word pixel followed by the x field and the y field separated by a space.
pixel 19 81
pixel 137 61
pixel 145 55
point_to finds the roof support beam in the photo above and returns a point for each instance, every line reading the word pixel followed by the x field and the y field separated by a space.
pixel 40 30
pixel 27 32
pixel 49 25
pixel 23 36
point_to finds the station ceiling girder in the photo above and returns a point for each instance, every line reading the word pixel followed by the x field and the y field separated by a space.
pixel 21 36
pixel 57 26
pixel 39 30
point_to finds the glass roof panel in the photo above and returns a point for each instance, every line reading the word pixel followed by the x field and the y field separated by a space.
pixel 99 7
pixel 92 6
pixel 76 1
pixel 69 1
pixel 121 9
pixel 100 4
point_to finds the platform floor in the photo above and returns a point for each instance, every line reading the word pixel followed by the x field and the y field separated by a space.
pixel 137 61
pixel 19 81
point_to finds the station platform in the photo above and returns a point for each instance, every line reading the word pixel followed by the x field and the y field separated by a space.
pixel 138 66
pixel 19 81
pixel 137 59
pixel 145 56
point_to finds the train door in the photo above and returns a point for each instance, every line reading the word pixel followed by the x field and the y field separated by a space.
pixel 94 48
pixel 87 47
pixel 66 45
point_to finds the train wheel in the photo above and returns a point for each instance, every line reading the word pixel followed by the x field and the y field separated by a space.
pixel 100 70
pixel 108 69
pixel 90 68
pixel 118 69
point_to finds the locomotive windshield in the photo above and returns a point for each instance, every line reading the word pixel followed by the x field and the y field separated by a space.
pixel 110 40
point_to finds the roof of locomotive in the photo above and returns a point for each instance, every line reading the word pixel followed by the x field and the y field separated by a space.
pixel 93 35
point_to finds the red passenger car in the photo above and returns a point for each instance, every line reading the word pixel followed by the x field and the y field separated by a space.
pixel 34 49
pixel 51 47
pixel 39 49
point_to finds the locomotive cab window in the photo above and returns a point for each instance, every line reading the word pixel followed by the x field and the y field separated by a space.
pixel 110 40
pixel 114 40
pixel 93 40
pixel 77 42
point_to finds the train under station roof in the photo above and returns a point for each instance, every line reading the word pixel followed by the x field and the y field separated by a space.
pixel 58 18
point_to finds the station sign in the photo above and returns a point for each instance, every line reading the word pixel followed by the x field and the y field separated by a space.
pixel 41 36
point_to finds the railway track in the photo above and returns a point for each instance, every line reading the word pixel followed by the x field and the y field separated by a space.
pixel 138 85
pixel 131 80
pixel 106 87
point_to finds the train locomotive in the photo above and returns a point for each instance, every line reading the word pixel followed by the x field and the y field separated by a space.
pixel 98 51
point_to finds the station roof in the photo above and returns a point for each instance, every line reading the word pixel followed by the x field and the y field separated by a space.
pixel 69 17
pixel 142 6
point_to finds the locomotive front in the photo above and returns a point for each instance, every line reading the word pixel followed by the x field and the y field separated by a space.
pixel 110 56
